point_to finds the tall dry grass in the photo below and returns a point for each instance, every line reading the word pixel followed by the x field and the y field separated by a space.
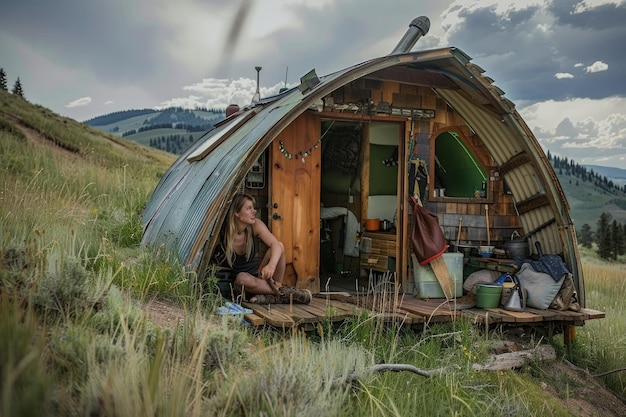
pixel 75 339
pixel 604 341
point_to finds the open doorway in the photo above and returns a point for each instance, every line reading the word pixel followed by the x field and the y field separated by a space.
pixel 360 182
pixel 340 202
pixel 383 167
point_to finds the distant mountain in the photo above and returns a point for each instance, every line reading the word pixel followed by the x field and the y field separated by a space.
pixel 618 175
pixel 172 129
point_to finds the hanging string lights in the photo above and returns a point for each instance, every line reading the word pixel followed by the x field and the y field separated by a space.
pixel 300 154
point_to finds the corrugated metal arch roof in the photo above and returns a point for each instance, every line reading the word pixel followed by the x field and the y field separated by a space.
pixel 192 197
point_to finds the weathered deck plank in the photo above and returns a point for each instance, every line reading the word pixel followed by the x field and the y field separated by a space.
pixel 407 309
pixel 270 315
pixel 297 312
pixel 430 311
pixel 594 314
pixel 516 316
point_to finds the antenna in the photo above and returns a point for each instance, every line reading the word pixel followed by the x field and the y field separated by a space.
pixel 285 86
pixel 257 96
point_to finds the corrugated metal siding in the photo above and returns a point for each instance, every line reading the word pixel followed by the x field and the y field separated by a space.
pixel 177 212
pixel 192 197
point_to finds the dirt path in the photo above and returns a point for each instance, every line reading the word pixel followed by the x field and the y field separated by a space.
pixel 586 397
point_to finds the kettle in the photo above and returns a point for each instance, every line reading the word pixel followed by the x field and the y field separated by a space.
pixel 516 300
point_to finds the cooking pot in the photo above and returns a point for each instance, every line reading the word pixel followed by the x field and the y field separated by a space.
pixel 372 225
pixel 517 248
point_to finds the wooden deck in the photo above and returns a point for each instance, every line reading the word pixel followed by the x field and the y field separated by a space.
pixel 406 309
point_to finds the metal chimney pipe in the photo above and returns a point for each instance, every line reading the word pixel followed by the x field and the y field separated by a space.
pixel 418 28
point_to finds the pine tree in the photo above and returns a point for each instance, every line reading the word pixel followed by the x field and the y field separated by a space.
pixel 603 236
pixel 617 240
pixel 17 89
pixel 585 236
pixel 3 80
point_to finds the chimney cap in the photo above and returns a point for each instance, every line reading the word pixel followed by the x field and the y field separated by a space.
pixel 418 28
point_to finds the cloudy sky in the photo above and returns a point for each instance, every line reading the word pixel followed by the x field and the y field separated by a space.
pixel 561 62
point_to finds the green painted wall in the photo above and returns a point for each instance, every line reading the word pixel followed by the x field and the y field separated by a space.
pixel 456 168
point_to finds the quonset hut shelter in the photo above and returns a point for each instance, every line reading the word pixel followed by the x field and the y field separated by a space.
pixel 335 162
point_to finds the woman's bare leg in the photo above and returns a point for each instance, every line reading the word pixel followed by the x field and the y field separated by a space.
pixel 250 284
pixel 255 285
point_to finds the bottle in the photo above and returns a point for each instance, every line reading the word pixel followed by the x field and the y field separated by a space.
pixel 483 191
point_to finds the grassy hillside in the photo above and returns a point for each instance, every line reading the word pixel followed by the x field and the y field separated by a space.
pixel 617 174
pixel 63 181
pixel 588 201
pixel 75 339
pixel 145 125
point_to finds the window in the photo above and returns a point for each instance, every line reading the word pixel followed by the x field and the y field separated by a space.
pixel 457 171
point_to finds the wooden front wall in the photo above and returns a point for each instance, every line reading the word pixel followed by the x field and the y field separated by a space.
pixel 294 184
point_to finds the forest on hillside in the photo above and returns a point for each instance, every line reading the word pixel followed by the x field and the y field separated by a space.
pixel 565 166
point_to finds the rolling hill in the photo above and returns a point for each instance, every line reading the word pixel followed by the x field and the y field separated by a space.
pixel 172 129
pixel 588 199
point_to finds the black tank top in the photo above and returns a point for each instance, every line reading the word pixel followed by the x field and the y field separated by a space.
pixel 250 266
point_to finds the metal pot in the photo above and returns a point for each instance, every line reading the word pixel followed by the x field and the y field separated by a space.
pixel 372 225
pixel 517 248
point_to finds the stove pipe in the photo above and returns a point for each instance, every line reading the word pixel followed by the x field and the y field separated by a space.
pixel 418 28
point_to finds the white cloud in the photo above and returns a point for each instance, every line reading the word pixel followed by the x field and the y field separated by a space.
pixel 597 66
pixel 562 75
pixel 219 93
pixel 589 131
pixel 109 102
pixel 83 101
pixel 547 115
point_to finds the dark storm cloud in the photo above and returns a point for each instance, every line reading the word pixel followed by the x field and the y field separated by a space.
pixel 89 34
pixel 569 12
pixel 528 46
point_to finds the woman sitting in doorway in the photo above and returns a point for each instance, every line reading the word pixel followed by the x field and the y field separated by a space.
pixel 262 279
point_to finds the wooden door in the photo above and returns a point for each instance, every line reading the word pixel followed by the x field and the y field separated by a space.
pixel 294 210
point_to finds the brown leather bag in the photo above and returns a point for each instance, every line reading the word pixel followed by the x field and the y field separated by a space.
pixel 427 237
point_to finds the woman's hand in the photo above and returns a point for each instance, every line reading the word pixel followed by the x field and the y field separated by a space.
pixel 267 272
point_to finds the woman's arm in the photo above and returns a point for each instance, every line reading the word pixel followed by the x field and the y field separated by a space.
pixel 275 247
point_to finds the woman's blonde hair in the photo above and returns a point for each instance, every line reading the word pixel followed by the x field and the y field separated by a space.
pixel 231 228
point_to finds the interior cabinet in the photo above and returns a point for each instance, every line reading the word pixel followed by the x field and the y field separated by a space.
pixel 378 251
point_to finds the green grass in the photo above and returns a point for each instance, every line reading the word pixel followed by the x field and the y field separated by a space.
pixel 602 342
pixel 75 339
pixel 587 202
